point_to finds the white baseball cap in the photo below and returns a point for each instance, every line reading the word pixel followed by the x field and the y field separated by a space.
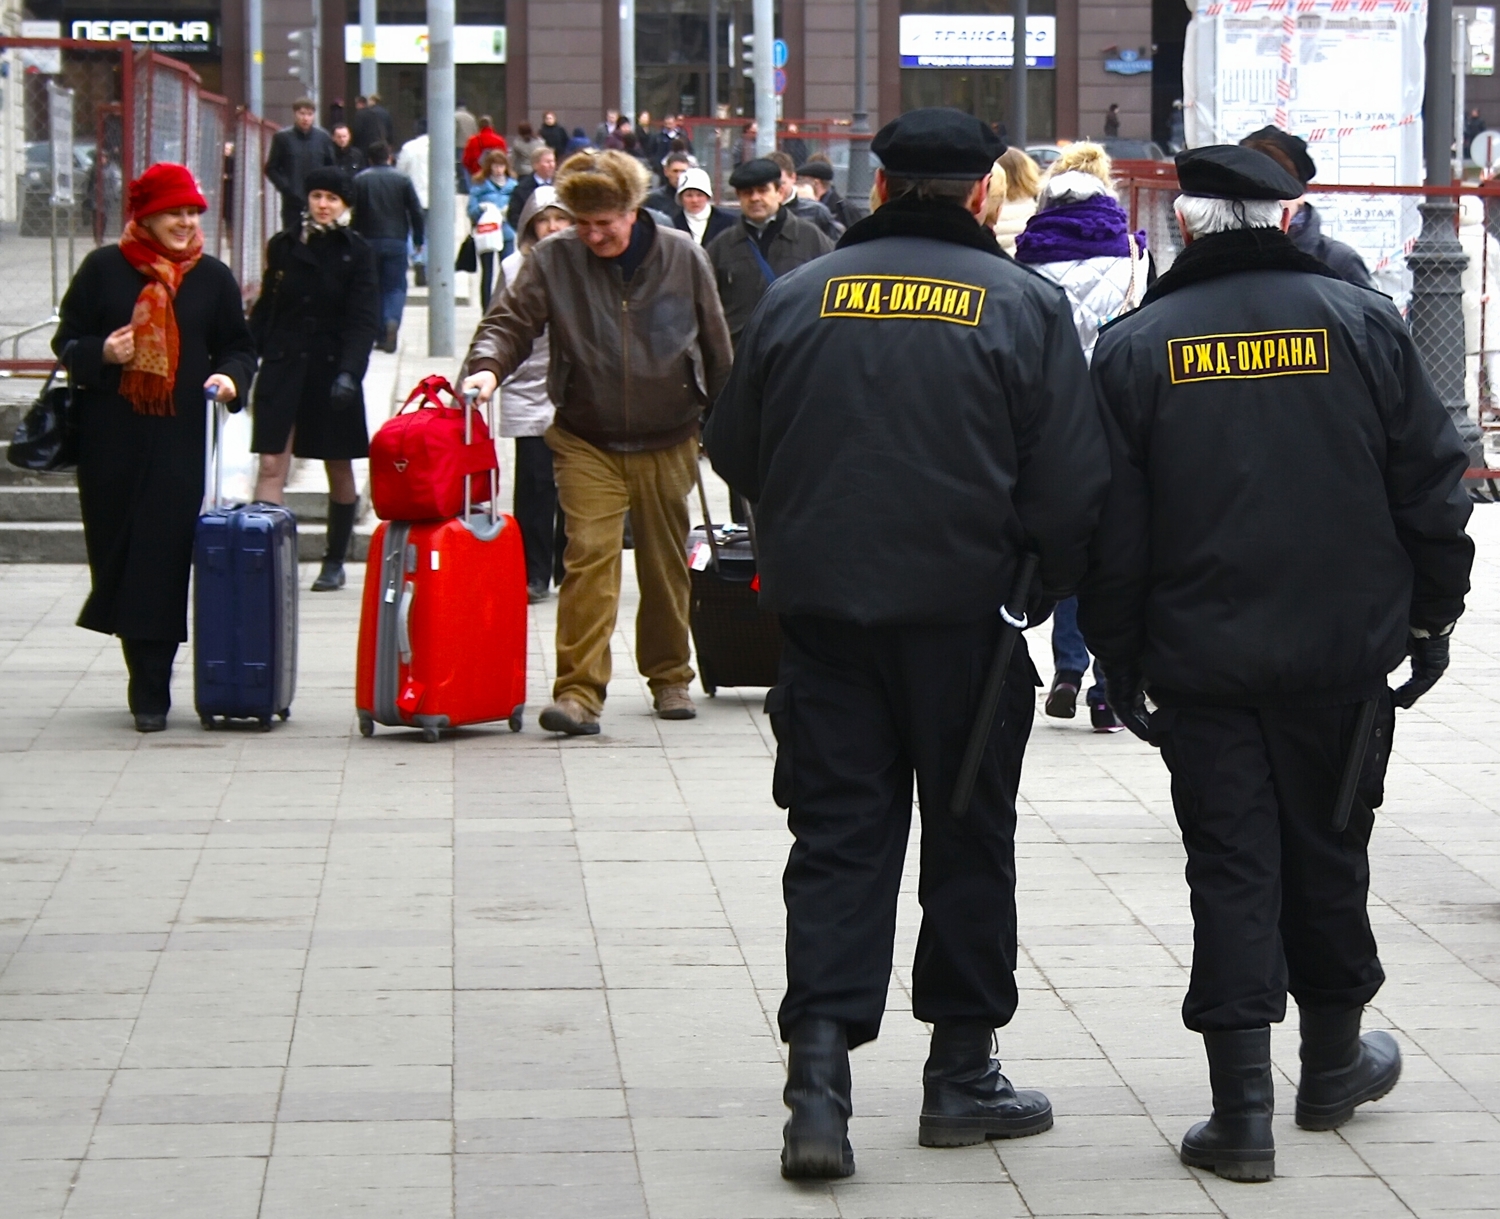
pixel 695 179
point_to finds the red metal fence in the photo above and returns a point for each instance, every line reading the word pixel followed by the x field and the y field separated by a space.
pixel 130 109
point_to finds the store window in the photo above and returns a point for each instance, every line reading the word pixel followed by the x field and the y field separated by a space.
pixel 672 40
pixel 403 86
pixel 947 62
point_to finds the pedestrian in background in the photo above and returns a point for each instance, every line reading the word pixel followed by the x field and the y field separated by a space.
pixel 314 323
pixel 631 312
pixel 491 193
pixel 911 414
pixel 697 214
pixel 817 175
pixel 606 129
pixel 413 161
pixel 543 167
pixel 481 142
pixel 465 128
pixel 1080 236
pixel 390 217
pixel 348 159
pixel 578 143
pixel 526 412
pixel 372 121
pixel 664 198
pixel 1112 121
pixel 809 210
pixel 147 327
pixel 555 135
pixel 768 242
pixel 1261 602
pixel 1306 231
pixel 1012 201
pixel 523 148
pixel 295 152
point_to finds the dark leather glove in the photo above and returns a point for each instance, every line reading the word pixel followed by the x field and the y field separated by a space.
pixel 1125 690
pixel 1429 661
pixel 345 392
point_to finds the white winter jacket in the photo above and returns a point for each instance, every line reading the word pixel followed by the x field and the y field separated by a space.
pixel 525 409
pixel 1098 290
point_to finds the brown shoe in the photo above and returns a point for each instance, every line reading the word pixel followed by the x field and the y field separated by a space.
pixel 673 703
pixel 569 716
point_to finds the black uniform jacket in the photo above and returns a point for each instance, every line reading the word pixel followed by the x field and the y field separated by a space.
pixel 317 316
pixel 1286 496
pixel 909 413
pixel 386 206
pixel 789 243
pixel 140 477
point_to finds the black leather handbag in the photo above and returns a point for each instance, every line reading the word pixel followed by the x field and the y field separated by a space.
pixel 47 440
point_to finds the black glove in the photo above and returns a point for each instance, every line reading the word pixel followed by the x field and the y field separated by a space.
pixel 345 392
pixel 1125 690
pixel 1429 661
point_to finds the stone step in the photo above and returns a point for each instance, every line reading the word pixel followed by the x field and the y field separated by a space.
pixel 11 476
pixel 62 542
pixel 31 503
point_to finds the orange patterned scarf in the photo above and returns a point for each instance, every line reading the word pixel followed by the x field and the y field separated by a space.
pixel 151 375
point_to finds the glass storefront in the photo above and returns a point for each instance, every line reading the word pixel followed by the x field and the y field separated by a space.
pixel 983 91
pixel 672 40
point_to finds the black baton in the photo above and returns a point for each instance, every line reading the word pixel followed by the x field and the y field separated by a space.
pixel 1013 620
pixel 1353 764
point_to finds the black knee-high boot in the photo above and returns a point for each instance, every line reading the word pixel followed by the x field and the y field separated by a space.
pixel 150 692
pixel 341 519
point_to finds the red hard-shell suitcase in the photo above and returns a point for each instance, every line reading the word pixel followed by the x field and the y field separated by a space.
pixel 442 632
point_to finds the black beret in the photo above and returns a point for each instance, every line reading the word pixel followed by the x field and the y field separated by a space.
pixel 937 142
pixel 755 173
pixel 820 170
pixel 326 177
pixel 1227 171
pixel 1295 148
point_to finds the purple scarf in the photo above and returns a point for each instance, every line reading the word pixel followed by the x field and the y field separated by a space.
pixel 1092 228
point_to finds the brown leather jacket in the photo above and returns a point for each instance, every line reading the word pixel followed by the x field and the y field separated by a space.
pixel 633 367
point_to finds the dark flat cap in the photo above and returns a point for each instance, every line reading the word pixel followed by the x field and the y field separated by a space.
pixel 821 170
pixel 937 142
pixel 755 173
pixel 1228 171
pixel 334 181
pixel 1292 146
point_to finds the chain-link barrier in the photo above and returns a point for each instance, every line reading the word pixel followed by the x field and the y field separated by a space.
pixel 81 121
pixel 1434 251
pixel 720 145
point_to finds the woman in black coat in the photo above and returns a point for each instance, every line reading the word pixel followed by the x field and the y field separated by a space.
pixel 315 323
pixel 141 418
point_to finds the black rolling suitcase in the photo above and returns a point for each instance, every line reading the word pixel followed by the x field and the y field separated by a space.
pixel 738 643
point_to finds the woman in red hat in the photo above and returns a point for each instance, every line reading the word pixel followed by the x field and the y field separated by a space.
pixel 149 326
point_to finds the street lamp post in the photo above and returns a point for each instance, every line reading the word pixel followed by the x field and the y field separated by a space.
pixel 1437 261
pixel 442 189
pixel 859 149
pixel 1017 132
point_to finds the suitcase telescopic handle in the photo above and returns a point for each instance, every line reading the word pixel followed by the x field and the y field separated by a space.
pixel 213 451
pixel 470 397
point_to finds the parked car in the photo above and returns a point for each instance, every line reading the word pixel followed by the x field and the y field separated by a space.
pixel 1043 154
pixel 36 188
pixel 1134 150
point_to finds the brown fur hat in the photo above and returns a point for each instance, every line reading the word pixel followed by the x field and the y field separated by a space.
pixel 610 181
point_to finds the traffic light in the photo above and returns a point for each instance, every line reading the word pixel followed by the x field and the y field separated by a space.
pixel 300 56
pixel 747 55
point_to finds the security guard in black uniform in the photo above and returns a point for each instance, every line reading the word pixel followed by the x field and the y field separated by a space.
pixel 910 413
pixel 1285 524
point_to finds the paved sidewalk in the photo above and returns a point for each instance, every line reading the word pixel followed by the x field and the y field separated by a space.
pixel 305 974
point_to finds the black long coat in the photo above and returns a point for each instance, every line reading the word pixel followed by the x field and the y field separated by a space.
pixel 316 317
pixel 140 477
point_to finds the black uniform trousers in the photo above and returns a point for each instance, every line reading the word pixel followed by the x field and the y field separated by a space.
pixel 856 712
pixel 1278 898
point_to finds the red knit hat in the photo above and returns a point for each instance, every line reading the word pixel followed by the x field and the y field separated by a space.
pixel 163 187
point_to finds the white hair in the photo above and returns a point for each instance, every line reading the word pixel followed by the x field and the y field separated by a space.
pixel 1072 186
pixel 1202 217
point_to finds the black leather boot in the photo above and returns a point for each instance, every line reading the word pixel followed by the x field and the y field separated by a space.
pixel 815 1140
pixel 341 518
pixel 966 1100
pixel 1236 1141
pixel 1341 1069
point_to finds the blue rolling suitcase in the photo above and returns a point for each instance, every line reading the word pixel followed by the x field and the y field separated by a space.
pixel 244 602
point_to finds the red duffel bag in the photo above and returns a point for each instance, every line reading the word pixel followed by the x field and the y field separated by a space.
pixel 419 459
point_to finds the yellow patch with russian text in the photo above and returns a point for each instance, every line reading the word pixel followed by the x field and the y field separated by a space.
pixel 1247 357
pixel 900 296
